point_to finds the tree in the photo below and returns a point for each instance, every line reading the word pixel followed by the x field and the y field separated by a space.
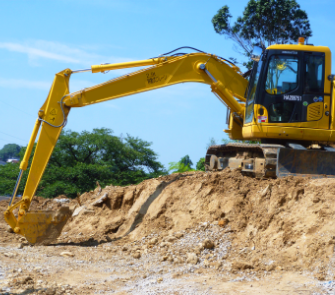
pixel 264 22
pixel 183 165
pixel 81 159
pixel 201 165
pixel 186 161
pixel 9 151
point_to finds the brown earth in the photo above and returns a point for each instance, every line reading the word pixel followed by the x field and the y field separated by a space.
pixel 217 225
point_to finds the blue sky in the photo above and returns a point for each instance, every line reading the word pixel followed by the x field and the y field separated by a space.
pixel 41 38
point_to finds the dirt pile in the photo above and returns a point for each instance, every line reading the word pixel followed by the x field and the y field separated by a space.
pixel 220 220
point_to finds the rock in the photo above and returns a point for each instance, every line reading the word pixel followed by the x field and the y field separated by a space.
pixel 204 224
pixel 223 222
pixel 164 258
pixel 10 255
pixel 108 239
pixel 137 255
pixel 165 244
pixel 153 241
pixel 170 239
pixel 206 263
pixel 100 200
pixel 27 280
pixel 159 280
pixel 217 264
pixel 20 246
pixel 241 265
pixel 50 291
pixel 270 267
pixel 225 256
pixel 9 229
pixel 62 201
pixel 178 235
pixel 124 248
pixel 78 210
pixel 192 258
pixel 67 254
pixel 197 250
pixel 208 244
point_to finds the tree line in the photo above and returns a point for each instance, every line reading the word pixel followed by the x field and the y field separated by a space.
pixel 79 160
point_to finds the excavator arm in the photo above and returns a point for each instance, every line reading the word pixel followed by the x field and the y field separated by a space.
pixel 225 80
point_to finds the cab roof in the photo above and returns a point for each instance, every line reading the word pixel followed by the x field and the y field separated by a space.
pixel 297 47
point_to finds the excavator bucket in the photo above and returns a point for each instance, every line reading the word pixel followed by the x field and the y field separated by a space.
pixel 313 163
pixel 43 227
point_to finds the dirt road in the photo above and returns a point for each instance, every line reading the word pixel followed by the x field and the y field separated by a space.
pixel 194 233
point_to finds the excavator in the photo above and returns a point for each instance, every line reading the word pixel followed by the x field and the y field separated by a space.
pixel 285 106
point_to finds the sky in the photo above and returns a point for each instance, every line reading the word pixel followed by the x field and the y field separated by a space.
pixel 40 38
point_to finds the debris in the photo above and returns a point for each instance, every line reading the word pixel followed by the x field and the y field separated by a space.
pixel 208 244
pixel 100 200
pixel 9 229
pixel 170 239
pixel 223 222
pixel 77 211
pixel 153 241
pixel 165 244
pixel 137 255
pixel 178 235
pixel 67 254
pixel 10 255
pixel 192 258
pixel 62 201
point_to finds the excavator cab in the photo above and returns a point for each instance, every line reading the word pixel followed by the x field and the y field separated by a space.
pixel 288 95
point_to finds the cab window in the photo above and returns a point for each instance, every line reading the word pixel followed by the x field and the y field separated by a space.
pixel 282 74
pixel 314 74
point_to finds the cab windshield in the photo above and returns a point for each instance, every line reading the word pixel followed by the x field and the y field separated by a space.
pixel 282 74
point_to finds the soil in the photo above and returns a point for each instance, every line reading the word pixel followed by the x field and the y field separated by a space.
pixel 190 233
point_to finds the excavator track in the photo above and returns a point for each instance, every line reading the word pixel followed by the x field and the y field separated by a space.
pixel 271 160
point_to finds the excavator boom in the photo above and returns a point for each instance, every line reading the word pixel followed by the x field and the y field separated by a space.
pixel 223 77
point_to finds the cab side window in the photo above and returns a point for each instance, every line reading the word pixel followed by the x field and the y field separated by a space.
pixel 314 74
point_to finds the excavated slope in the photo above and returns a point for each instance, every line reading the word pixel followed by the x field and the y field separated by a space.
pixel 273 224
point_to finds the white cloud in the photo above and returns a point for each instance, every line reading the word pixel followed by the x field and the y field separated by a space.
pixel 22 83
pixel 40 49
pixel 35 52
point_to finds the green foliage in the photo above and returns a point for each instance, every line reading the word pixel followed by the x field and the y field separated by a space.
pixel 186 161
pixel 178 167
pixel 264 22
pixel 9 151
pixel 201 165
pixel 81 159
pixel 8 176
pixel 183 165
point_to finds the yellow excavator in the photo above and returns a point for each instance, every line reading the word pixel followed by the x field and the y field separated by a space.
pixel 286 105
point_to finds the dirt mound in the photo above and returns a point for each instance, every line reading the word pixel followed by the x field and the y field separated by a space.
pixel 282 224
